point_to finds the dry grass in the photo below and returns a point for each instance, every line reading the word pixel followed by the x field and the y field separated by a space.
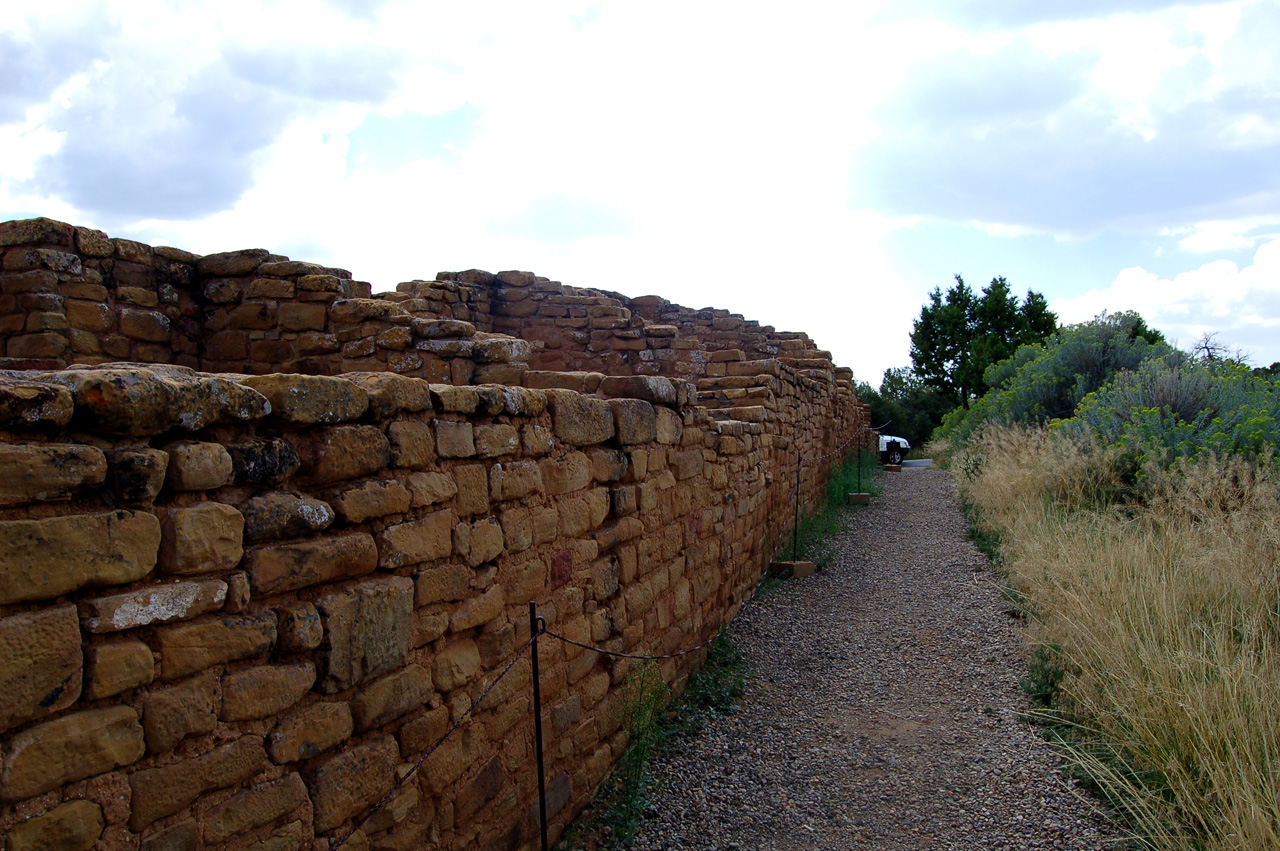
pixel 1163 616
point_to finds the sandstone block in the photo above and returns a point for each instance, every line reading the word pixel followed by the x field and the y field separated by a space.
pixel 368 624
pixel 546 523
pixel 492 441
pixel 482 788
pixel 191 647
pixel 579 382
pixel 565 475
pixel 310 399
pixel 608 465
pixel 455 439
pixel 687 464
pixel 345 785
pixel 430 488
pixel 158 792
pixel 389 394
pixel 575 517
pixel 523 581
pixel 255 806
pixel 28 404
pixel 183 836
pixel 412 444
pixel 477 611
pixel 204 539
pixel 473 489
pixel 171 714
pixel 198 466
pixel 309 732
pixel 40 231
pixel 284 515
pixel 456 665
pixel 636 421
pixel 536 439
pixel 116 666
pixel 426 539
pixel 486 542
pixel 49 344
pixel 48 471
pixel 580 420
pixel 391 696
pixel 291 837
pixel 447 583
pixel 428 625
pixel 343 452
pixel 298 628
pixel 263 461
pixel 454 400
pixel 74 826
pixel 148 325
pixel 40 664
pixel 514 480
pixel 376 498
pixel 232 263
pixel 137 474
pixel 40 559
pixel 650 388
pixel 667 426
pixel 69 748
pixel 265 690
pixel 517 529
pixel 424 731
pixel 153 604
pixel 274 568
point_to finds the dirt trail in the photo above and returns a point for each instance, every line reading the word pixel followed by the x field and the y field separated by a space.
pixel 883 711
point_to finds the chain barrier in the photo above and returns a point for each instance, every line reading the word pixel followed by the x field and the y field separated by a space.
pixel 447 733
pixel 833 452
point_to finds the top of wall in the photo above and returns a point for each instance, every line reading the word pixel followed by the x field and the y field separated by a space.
pixel 72 295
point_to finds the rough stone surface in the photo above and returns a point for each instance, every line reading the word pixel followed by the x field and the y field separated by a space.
pixel 341 453
pixel 255 806
pixel 206 538
pixel 309 732
pixel 426 539
pixel 298 628
pixel 116 666
pixel 74 826
pixel 198 466
pixel 47 471
pixel 69 748
pixel 158 792
pixel 367 627
pixel 344 785
pixel 171 714
pixel 286 567
pixel 580 420
pixel 311 399
pixel 153 604
pixel 40 559
pixel 263 691
pixel 284 515
pixel 40 664
pixel 391 696
pixel 190 647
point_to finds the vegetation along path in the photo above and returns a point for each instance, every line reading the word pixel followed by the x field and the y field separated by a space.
pixel 883 709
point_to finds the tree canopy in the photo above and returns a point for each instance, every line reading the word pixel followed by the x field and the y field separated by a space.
pixel 959 334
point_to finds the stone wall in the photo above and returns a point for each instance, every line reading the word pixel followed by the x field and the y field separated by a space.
pixel 236 609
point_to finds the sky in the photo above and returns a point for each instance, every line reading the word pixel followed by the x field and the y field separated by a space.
pixel 815 166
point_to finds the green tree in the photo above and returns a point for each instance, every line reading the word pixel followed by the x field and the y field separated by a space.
pixel 905 405
pixel 960 334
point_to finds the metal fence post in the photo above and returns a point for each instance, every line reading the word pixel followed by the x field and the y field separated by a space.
pixel 534 629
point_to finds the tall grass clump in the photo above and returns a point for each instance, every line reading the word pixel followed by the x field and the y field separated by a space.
pixel 1154 617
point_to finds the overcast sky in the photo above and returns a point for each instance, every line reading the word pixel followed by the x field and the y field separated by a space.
pixel 814 166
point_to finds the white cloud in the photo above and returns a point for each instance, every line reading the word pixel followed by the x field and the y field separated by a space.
pixel 1241 304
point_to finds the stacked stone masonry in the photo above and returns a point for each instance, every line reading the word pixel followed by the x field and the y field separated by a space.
pixel 265 536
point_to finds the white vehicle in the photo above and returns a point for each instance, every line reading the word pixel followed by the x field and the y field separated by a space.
pixel 893 449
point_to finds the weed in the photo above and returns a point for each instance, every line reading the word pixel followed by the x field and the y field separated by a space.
pixel 656 728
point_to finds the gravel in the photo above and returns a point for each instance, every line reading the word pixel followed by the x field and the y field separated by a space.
pixel 883 708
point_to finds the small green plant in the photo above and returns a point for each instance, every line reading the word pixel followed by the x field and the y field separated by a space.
pixel 1044 675
pixel 819 528
pixel 654 728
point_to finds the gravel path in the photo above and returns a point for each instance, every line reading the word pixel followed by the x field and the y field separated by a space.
pixel 883 708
